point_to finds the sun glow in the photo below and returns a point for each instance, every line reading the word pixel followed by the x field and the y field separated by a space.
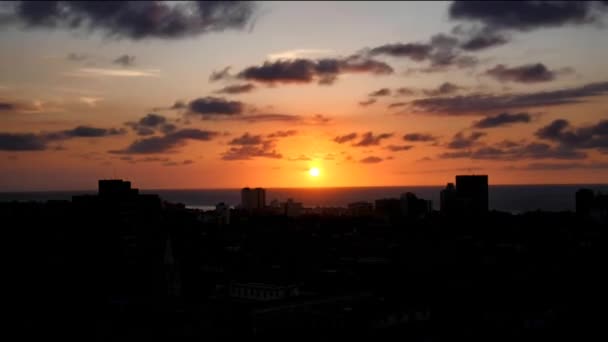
pixel 314 172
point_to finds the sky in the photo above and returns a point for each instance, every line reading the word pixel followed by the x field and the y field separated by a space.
pixel 233 94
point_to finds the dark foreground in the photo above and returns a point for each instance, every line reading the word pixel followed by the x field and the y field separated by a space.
pixel 119 270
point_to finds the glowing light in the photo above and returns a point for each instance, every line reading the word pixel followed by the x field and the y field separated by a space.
pixel 314 172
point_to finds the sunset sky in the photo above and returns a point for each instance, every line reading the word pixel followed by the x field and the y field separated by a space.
pixel 229 94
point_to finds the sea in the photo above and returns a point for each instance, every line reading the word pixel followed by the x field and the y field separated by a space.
pixel 509 198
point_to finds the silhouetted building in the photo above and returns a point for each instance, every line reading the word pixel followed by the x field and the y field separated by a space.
pixel 589 204
pixel 360 208
pixel 472 193
pixel 291 208
pixel 388 207
pixel 448 199
pixel 253 199
pixel 115 187
pixel 222 211
pixel 412 206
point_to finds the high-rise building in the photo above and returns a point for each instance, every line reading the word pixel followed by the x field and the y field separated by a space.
pixel 469 196
pixel 253 199
pixel 414 207
pixel 448 200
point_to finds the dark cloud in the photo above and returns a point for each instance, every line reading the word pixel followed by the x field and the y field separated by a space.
pixel 247 139
pixel 133 19
pixel 502 119
pixel 419 137
pixel 210 106
pixel 251 151
pixel 369 139
pixel 460 141
pixel 220 75
pixel 397 104
pixel 403 91
pixel 166 143
pixel 76 57
pixel 371 160
pixel 415 51
pixel 380 92
pixel 151 123
pixel 562 132
pixel 526 15
pixel 484 40
pixel 529 73
pixel 270 117
pixel 323 71
pixel 283 134
pixel 444 89
pixel 563 166
pixel 125 60
pixel 441 52
pixel 368 102
pixel 345 138
pixel 40 141
pixel 5 106
pixel 86 132
pixel 397 148
pixel 521 151
pixel 236 89
pixel 21 142
pixel 482 103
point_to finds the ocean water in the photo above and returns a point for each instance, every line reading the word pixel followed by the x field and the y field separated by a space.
pixel 511 198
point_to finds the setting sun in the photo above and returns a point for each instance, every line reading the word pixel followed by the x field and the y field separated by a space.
pixel 314 172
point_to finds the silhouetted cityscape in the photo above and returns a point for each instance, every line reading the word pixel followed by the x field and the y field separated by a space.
pixel 121 265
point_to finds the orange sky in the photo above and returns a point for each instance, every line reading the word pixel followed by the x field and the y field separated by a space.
pixel 81 104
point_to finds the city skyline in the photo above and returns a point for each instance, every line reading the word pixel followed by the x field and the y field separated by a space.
pixel 284 95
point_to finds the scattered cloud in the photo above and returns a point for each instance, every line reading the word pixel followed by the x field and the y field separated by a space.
pixel 345 138
pixel 445 88
pixel 166 143
pixel 223 74
pixel 40 141
pixel 397 104
pixel 283 134
pixel 502 119
pixel 300 158
pixel 369 139
pixel 419 137
pixel 562 166
pixel 460 141
pixel 526 15
pixel 529 73
pixel 562 132
pixel 397 148
pixel 380 92
pixel 523 151
pixel 211 106
pixel 322 71
pixel 367 102
pixel 247 139
pixel 404 91
pixel 236 89
pixel 479 104
pixel 371 160
pixel 149 124
pixel 76 57
pixel 125 60
pixel 22 142
pixel 132 20
pixel 483 40
pixel 5 106
pixel 253 118
pixel 414 51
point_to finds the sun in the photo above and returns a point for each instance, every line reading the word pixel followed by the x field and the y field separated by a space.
pixel 314 172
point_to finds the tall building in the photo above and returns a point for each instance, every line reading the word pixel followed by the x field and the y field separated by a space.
pixel 472 192
pixel 448 202
pixel 253 199
pixel 469 196
pixel 414 207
